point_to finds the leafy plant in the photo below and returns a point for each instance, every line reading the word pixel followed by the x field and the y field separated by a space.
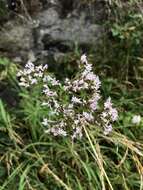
pixel 69 104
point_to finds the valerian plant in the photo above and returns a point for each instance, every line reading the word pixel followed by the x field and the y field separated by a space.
pixel 73 105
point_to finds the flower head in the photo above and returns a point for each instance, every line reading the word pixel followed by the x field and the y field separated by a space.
pixel 83 59
pixel 72 105
pixel 136 119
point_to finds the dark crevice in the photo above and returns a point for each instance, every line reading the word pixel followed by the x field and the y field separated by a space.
pixel 67 7
pixel 57 45
pixel 54 45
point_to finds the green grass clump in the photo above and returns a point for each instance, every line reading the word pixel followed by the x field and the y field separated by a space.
pixel 32 159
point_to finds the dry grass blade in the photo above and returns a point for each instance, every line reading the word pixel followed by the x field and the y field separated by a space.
pixel 139 167
pixel 98 159
pixel 123 159
pixel 136 147
pixel 46 169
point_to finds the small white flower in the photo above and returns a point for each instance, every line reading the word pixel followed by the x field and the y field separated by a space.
pixel 108 104
pixel 93 106
pixel 85 85
pixel 77 133
pixel 114 114
pixel 83 59
pixel 76 122
pixel 97 83
pixel 56 104
pixel 33 81
pixel 53 81
pixel 57 131
pixel 62 132
pixel 48 92
pixel 29 65
pixel 45 122
pixel 90 76
pixel 76 100
pixel 107 129
pixel 81 82
pixel 38 74
pixel 88 116
pixel 19 74
pixel 136 119
pixel 46 78
pixel 27 72
pixel 67 81
pixel 45 67
pixel 94 101
pixel 104 114
pixel 22 79
pixel 24 84
pixel 88 68
pixel 39 68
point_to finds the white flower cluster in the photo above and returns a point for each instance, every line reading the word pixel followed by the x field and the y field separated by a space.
pixel 108 116
pixel 30 74
pixel 72 105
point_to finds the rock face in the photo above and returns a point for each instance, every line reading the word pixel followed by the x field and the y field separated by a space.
pixel 66 32
pixel 16 39
pixel 61 25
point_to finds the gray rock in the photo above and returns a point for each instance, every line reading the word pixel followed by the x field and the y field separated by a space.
pixel 16 39
pixel 62 23
pixel 56 32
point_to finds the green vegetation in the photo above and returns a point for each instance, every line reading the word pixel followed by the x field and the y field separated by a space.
pixel 30 159
pixel 2 8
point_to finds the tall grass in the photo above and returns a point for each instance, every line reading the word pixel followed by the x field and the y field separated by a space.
pixel 31 159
